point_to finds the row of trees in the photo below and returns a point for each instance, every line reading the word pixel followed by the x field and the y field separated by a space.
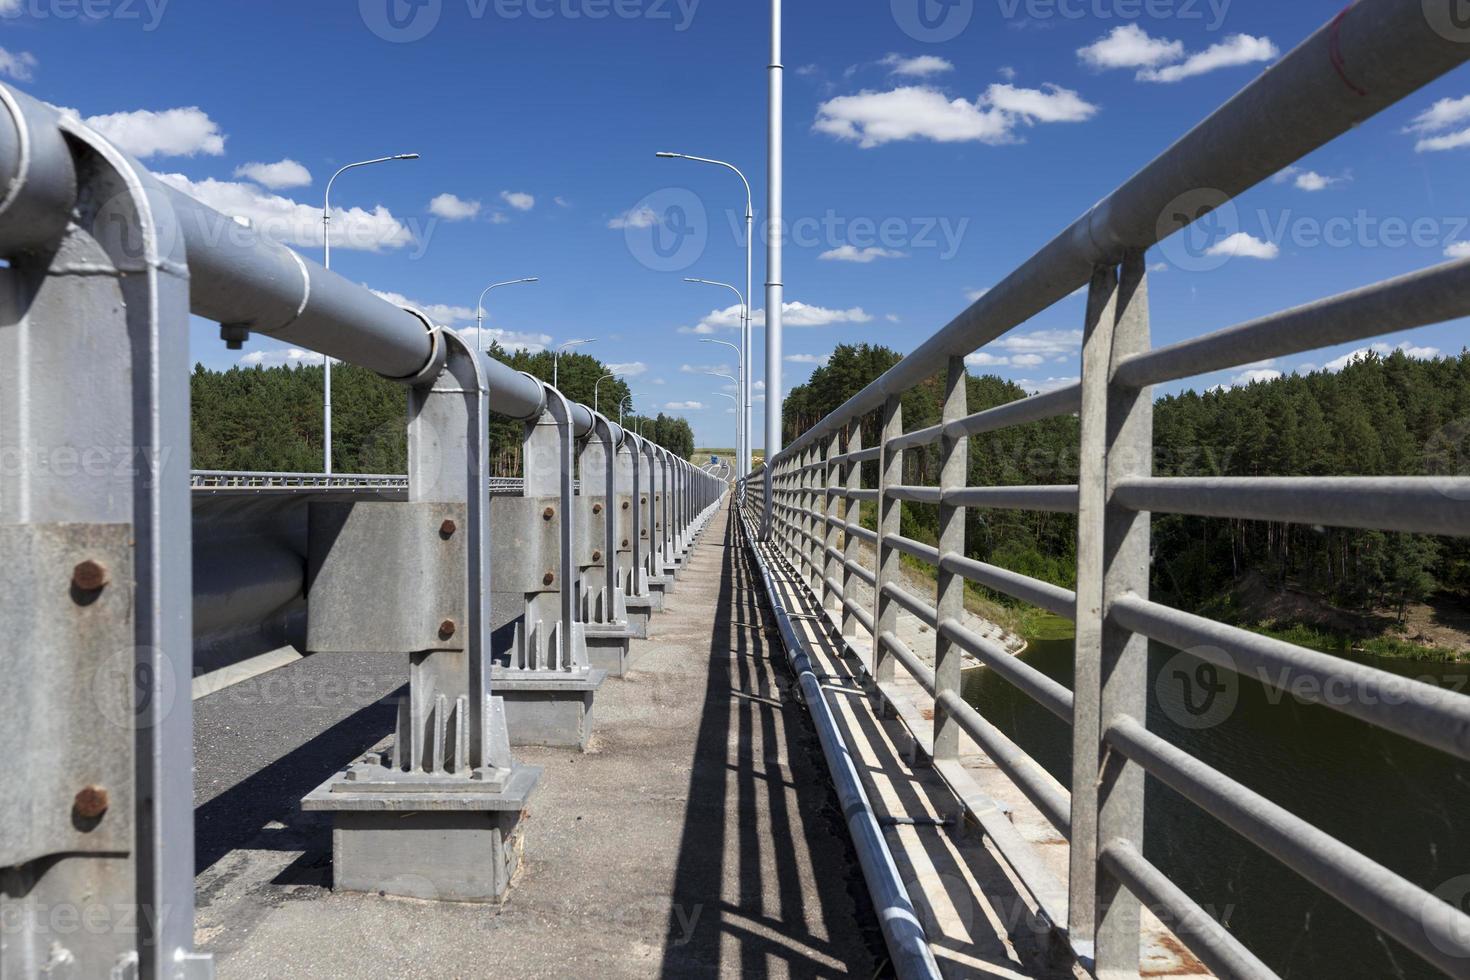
pixel 270 419
pixel 1389 415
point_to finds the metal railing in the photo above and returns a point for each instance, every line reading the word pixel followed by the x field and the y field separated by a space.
pixel 112 566
pixel 1373 54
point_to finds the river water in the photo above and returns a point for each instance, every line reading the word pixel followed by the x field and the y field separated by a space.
pixel 1402 804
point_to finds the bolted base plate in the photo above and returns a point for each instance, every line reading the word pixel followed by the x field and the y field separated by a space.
pixel 640 610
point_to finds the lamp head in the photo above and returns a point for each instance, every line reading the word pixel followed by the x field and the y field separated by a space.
pixel 406 156
pixel 664 155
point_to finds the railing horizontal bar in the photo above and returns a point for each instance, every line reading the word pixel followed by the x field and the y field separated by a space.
pixel 1431 927
pixel 1411 708
pixel 1041 688
pixel 1225 955
pixel 871 495
pixel 862 614
pixel 863 573
pixel 912 603
pixel 1051 499
pixel 1028 775
pixel 912 548
pixel 1053 404
pixel 921 671
pixel 918 495
pixel 861 533
pixel 1414 504
pixel 915 439
pixel 1297 106
pixel 1428 296
pixel 1050 597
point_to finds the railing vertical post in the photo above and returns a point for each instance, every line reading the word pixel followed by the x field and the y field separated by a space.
pixel 954 451
pixel 890 516
pixel 851 513
pixel 1111 663
pixel 814 506
pixel 832 508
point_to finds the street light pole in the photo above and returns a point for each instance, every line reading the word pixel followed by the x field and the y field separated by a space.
pixel 745 395
pixel 717 374
pixel 327 264
pixel 598 384
pixel 775 279
pixel 743 353
pixel 556 359
pixel 480 304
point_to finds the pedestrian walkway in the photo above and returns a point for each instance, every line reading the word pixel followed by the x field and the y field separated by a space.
pixel 698 836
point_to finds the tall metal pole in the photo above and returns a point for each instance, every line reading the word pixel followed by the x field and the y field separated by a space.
pixel 327 264
pixel 748 384
pixel 480 305
pixel 556 360
pixel 775 286
pixel 598 384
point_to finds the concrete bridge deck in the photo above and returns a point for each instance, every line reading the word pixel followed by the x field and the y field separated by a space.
pixel 698 836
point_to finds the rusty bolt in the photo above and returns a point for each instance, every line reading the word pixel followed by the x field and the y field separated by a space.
pixel 597 556
pixel 447 529
pixel 89 576
pixel 446 629
pixel 548 578
pixel 90 802
pixel 548 513
pixel 644 500
pixel 625 542
pixel 625 505
pixel 597 508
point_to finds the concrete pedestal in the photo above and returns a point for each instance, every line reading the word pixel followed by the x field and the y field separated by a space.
pixel 547 708
pixel 454 843
pixel 607 648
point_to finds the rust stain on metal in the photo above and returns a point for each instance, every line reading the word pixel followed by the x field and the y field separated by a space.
pixel 1187 965
pixel 91 802
pixel 447 529
pixel 89 575
pixel 446 629
pixel 548 578
pixel 548 513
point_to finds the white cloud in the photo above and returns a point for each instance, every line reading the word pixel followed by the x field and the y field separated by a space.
pixel 892 318
pixel 684 407
pixel 519 200
pixel 1246 246
pixel 851 253
pixel 1246 378
pixel 706 369
pixel 636 218
pixel 499 218
pixel 276 176
pixel 561 202
pixel 1449 141
pixel 1458 250
pixel 19 65
pixel 292 222
pixel 632 369
pixel 452 208
pixel 511 340
pixel 1382 350
pixel 973 295
pixel 1159 267
pixel 1238 49
pixel 920 112
pixel 818 359
pixel 1045 385
pixel 921 66
pixel 1310 180
pixel 1130 47
pixel 1028 350
pixel 1008 73
pixel 279 357
pixel 1440 116
pixel 441 313
pixel 794 314
pixel 182 132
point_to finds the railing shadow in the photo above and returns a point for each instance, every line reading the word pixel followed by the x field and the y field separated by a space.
pixel 791 902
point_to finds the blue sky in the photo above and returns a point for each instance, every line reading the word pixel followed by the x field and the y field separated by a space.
pixel 923 162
